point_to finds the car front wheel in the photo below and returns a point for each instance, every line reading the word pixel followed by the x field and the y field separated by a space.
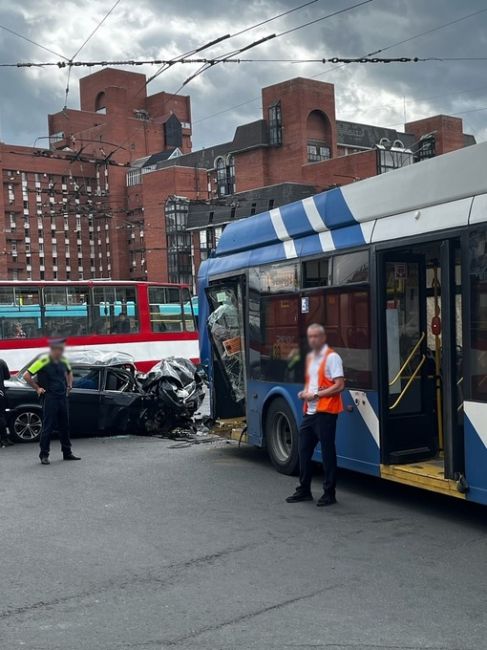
pixel 26 426
pixel 281 435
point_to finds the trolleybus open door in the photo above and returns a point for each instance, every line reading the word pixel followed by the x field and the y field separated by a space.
pixel 226 333
pixel 406 375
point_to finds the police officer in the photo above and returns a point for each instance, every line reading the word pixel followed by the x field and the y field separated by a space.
pixel 322 404
pixel 51 377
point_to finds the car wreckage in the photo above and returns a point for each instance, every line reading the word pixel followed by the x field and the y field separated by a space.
pixel 110 397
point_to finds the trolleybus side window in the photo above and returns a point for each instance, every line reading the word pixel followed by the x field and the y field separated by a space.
pixel 478 316
pixel 66 311
pixel 189 319
pixel 316 273
pixel 170 309
pixel 346 315
pixel 279 346
pixel 114 310
pixel 280 354
pixel 350 268
pixel 20 313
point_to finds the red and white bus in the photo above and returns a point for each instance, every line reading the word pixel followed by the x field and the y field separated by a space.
pixel 148 320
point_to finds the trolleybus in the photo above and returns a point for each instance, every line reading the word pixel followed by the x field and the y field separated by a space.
pixel 148 320
pixel 395 267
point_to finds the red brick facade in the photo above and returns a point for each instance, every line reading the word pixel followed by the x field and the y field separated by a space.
pixel 64 209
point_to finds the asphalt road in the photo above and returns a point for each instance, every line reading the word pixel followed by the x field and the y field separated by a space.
pixel 141 545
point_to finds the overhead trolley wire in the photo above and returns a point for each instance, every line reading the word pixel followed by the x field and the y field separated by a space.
pixel 229 55
pixel 382 49
pixel 29 40
pixel 85 42
pixel 180 58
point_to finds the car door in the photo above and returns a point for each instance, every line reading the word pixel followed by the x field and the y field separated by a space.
pixel 84 400
pixel 120 402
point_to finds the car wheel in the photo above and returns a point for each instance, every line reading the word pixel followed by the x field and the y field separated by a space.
pixel 281 435
pixel 26 425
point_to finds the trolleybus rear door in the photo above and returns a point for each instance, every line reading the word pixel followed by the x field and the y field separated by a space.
pixel 407 384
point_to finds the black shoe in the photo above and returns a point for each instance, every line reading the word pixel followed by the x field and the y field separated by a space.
pixel 299 495
pixel 6 442
pixel 71 457
pixel 326 500
pixel 45 460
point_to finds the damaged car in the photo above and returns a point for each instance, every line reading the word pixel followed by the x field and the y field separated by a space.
pixel 109 397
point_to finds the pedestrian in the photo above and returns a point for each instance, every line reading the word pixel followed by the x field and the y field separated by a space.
pixel 51 377
pixel 322 403
pixel 4 375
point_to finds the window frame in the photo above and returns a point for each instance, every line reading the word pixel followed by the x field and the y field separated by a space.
pixel 274 114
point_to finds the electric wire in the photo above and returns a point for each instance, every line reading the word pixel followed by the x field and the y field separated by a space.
pixel 85 42
pixel 383 49
pixel 182 57
pixel 228 55
pixel 29 40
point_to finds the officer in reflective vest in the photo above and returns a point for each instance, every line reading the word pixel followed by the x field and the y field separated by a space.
pixel 322 404
pixel 51 377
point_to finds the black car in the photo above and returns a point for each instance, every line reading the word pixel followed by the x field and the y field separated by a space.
pixel 106 398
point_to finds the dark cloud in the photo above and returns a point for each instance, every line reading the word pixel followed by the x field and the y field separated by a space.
pixel 152 28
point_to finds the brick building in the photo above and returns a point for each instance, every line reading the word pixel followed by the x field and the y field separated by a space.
pixel 121 194
pixel 64 209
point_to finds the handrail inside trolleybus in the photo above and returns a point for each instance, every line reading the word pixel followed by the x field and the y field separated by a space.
pixel 408 360
pixel 409 382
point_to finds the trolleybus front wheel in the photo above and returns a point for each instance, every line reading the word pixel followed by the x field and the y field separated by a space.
pixel 281 435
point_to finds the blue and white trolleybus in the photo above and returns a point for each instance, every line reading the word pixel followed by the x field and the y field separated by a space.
pixel 395 267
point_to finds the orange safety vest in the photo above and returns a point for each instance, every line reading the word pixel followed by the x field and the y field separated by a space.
pixel 330 403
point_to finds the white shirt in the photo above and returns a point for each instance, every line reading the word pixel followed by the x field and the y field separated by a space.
pixel 333 370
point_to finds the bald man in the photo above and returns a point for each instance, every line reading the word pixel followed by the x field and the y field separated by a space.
pixel 322 404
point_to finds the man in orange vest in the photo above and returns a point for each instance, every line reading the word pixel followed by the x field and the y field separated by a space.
pixel 322 404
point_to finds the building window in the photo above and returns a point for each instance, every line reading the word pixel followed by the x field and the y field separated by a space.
pixel 318 151
pixel 230 175
pixel 275 125
pixel 225 175
pixel 427 148
pixel 389 158
pixel 178 241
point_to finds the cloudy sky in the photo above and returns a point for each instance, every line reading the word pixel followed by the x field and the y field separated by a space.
pixel 378 94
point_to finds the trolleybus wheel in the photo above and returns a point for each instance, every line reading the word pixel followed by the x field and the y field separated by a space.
pixel 281 435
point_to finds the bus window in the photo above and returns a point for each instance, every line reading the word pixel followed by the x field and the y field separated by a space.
pixel 351 267
pixel 20 313
pixel 166 309
pixel 316 273
pixel 189 319
pixel 345 315
pixel 114 310
pixel 66 311
pixel 280 347
pixel 478 315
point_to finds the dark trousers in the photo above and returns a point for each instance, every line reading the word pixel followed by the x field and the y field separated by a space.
pixel 54 418
pixel 3 418
pixel 318 427
pixel 3 426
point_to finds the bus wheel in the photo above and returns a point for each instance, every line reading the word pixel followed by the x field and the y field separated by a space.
pixel 26 426
pixel 281 434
